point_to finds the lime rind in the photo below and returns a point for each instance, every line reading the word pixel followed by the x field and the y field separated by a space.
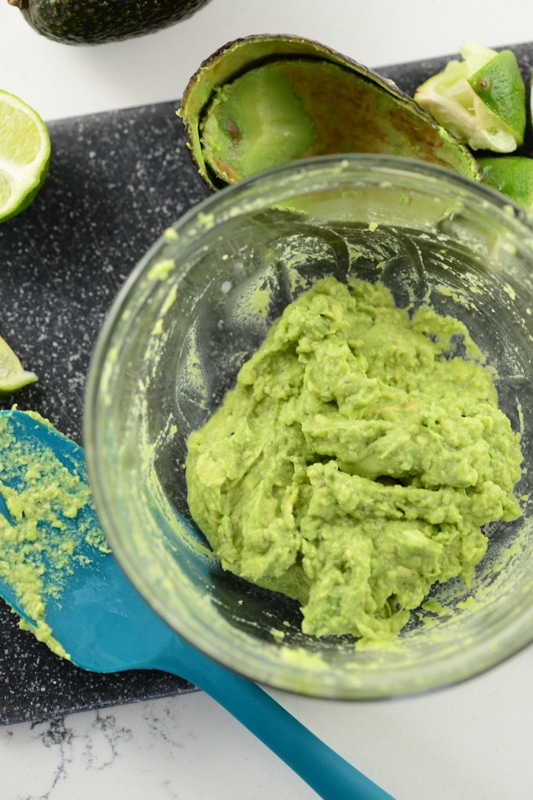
pixel 18 192
pixel 25 152
pixel 510 175
pixel 451 99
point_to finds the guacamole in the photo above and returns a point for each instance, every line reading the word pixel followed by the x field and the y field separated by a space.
pixel 356 460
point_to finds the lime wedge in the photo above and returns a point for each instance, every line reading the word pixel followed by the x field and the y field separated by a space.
pixel 481 99
pixel 12 374
pixel 499 84
pixel 24 154
pixel 511 175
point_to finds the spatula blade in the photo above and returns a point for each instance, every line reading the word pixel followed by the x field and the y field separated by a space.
pixel 55 565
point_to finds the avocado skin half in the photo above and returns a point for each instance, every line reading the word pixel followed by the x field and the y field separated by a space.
pixel 377 115
pixel 99 21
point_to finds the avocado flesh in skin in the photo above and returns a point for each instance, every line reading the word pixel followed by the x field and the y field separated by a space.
pixel 290 108
pixel 99 21
pixel 257 122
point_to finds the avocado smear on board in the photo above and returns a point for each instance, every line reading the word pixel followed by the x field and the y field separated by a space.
pixel 355 461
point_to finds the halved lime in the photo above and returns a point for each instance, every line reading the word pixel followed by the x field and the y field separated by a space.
pixel 511 175
pixel 13 376
pixel 481 99
pixel 24 154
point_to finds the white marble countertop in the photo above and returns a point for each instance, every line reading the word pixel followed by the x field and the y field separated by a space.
pixel 471 742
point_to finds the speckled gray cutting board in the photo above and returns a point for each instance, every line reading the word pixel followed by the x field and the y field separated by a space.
pixel 116 181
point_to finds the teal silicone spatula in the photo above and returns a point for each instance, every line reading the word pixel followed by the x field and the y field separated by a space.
pixel 53 568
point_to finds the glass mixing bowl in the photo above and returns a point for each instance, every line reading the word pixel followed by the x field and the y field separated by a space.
pixel 201 301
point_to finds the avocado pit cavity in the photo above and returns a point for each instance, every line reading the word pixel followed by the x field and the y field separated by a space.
pixel 258 121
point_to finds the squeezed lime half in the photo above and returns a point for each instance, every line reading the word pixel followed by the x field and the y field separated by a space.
pixel 481 99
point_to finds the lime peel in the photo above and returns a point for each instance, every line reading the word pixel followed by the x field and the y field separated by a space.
pixel 510 175
pixel 25 151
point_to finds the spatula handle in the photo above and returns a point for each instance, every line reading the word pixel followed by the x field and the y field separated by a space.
pixel 325 771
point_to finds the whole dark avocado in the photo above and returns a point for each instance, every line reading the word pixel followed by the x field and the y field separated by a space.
pixel 99 21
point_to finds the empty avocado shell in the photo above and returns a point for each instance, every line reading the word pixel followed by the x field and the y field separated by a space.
pixel 264 100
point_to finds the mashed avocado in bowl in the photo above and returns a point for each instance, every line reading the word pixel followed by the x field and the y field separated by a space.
pixel 308 427
pixel 355 461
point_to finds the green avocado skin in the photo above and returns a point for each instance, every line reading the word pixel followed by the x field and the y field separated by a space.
pixel 99 21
